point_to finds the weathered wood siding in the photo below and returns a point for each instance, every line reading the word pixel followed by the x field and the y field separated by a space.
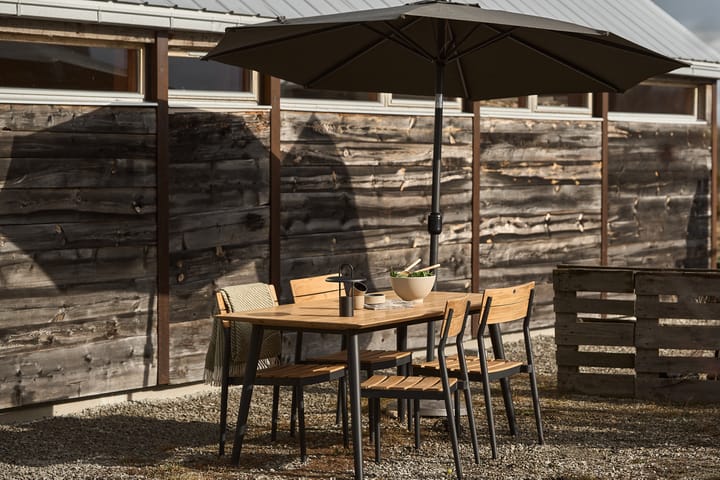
pixel 659 195
pixel 77 251
pixel 539 202
pixel 219 222
pixel 356 189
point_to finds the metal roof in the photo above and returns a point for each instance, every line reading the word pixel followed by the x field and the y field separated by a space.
pixel 638 20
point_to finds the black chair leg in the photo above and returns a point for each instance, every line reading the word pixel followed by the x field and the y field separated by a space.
pixel 293 411
pixel 453 434
pixel 509 409
pixel 301 424
pixel 536 406
pixel 402 371
pixel 489 413
pixel 458 426
pixel 371 414
pixel 340 399
pixel 344 412
pixel 416 414
pixel 471 423
pixel 376 427
pixel 225 382
pixel 275 402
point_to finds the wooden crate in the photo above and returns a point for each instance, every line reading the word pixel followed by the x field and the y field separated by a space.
pixel 678 336
pixel 593 313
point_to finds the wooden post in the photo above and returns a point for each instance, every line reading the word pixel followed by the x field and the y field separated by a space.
pixel 714 179
pixel 271 96
pixel 159 93
pixel 474 108
pixel 475 226
pixel 600 110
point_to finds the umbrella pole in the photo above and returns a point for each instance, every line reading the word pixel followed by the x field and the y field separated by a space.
pixel 435 217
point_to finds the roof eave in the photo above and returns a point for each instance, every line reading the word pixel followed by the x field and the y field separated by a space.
pixel 110 13
pixel 699 69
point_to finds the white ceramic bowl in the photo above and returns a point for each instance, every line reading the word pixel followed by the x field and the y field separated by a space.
pixel 412 288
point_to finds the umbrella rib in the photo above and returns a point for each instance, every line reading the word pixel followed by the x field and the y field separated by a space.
pixel 410 46
pixel 571 66
pixel 280 39
pixel 479 46
pixel 407 42
pixel 451 41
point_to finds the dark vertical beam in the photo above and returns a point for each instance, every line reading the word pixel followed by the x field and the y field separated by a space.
pixel 475 226
pixel 270 95
pixel 714 181
pixel 600 109
pixel 159 93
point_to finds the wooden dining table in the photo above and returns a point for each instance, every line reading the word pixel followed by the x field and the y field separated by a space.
pixel 323 316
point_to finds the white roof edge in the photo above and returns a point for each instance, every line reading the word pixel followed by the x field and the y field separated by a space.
pixel 699 69
pixel 87 11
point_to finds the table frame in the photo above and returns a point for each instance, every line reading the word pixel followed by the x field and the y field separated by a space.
pixel 323 316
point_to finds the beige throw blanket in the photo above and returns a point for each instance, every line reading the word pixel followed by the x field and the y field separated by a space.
pixel 239 298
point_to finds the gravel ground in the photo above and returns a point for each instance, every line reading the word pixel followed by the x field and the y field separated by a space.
pixel 586 438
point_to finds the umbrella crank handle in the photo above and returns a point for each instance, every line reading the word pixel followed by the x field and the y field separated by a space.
pixel 435 223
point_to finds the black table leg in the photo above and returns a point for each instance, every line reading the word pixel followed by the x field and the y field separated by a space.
pixel 247 391
pixel 354 384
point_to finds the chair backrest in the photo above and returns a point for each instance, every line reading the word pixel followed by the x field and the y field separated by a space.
pixel 250 296
pixel 455 313
pixel 313 288
pixel 501 305
pixel 237 298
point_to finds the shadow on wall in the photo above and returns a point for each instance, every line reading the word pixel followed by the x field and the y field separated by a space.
pixel 698 228
pixel 78 259
pixel 77 251
pixel 321 226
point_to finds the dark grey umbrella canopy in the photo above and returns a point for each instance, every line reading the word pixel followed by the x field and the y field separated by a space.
pixel 441 48
pixel 483 53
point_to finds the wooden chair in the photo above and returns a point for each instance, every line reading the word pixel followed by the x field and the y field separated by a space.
pixel 417 387
pixel 316 288
pixel 500 305
pixel 296 376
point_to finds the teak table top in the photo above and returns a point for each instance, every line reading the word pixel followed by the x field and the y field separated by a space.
pixel 323 315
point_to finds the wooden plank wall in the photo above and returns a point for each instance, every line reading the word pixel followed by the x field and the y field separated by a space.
pixel 77 255
pixel 539 202
pixel 356 189
pixel 219 226
pixel 660 177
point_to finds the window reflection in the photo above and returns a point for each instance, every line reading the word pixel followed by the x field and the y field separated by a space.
pixel 655 98
pixel 192 73
pixel 51 66
pixel 293 90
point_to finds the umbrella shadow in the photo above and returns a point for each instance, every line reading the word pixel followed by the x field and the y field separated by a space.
pixel 77 256
pixel 78 260
pixel 109 440
pixel 698 229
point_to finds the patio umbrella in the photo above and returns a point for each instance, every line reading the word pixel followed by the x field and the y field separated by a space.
pixel 441 48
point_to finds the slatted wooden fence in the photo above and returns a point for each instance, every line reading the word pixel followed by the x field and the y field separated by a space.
pixel 651 334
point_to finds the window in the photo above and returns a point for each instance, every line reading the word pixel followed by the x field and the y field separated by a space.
pixel 573 100
pixel 510 102
pixel 69 67
pixel 656 98
pixel 192 73
pixel 566 104
pixel 293 90
pixel 194 80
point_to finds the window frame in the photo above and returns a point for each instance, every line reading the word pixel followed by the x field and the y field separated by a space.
pixel 212 98
pixel 67 96
pixel 699 115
